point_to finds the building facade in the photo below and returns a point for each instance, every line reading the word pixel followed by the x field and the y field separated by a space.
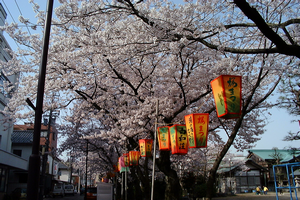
pixel 8 159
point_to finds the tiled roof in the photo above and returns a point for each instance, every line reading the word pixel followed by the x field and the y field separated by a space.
pixel 22 137
pixel 268 154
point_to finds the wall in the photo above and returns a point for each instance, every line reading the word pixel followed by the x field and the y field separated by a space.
pixel 26 150
pixel 65 175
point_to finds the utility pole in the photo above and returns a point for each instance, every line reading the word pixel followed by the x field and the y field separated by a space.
pixel 34 159
pixel 154 151
pixel 71 169
pixel 86 167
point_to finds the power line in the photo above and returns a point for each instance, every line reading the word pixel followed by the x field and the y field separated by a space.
pixel 22 15
pixel 8 10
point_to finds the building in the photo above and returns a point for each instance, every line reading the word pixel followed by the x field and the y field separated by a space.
pixel 251 177
pixel 22 138
pixel 269 157
pixel 242 177
pixel 256 169
pixel 8 159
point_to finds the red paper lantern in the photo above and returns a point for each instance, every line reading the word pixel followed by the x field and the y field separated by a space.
pixel 178 139
pixel 146 147
pixel 126 159
pixel 197 129
pixel 227 91
pixel 164 138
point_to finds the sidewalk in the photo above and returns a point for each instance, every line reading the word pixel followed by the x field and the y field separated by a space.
pixel 253 196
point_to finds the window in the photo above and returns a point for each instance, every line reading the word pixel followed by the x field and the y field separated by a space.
pixel 2 179
pixel 17 152
pixel 4 80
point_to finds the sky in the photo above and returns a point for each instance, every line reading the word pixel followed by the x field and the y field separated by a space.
pixel 279 124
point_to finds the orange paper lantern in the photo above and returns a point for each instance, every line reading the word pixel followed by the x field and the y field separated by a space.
pixel 126 159
pixel 164 138
pixel 197 129
pixel 227 92
pixel 145 147
pixel 178 139
pixel 134 158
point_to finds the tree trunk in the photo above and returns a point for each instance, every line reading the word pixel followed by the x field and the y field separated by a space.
pixel 173 189
pixel 245 110
pixel 136 184
pixel 213 171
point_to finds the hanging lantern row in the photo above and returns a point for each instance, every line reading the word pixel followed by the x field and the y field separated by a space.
pixel 227 91
pixel 178 138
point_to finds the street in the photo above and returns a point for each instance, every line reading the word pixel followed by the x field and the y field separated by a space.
pixel 247 196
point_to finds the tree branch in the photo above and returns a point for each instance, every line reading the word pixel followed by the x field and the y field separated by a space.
pixel 252 14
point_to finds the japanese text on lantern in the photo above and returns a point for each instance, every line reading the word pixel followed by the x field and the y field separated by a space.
pixel 227 94
pixel 190 130
pixel 200 135
pixel 163 138
pixel 181 137
pixel 231 87
pixel 126 159
pixel 197 127
pixel 148 149
pixel 142 149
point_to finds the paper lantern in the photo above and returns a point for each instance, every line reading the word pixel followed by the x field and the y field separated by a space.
pixel 163 135
pixel 121 164
pixel 178 139
pixel 134 158
pixel 145 147
pixel 126 159
pixel 197 129
pixel 227 91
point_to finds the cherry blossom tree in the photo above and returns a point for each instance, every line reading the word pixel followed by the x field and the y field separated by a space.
pixel 112 61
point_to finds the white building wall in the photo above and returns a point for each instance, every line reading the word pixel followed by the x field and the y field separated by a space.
pixel 6 129
pixel 26 150
pixel 65 175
